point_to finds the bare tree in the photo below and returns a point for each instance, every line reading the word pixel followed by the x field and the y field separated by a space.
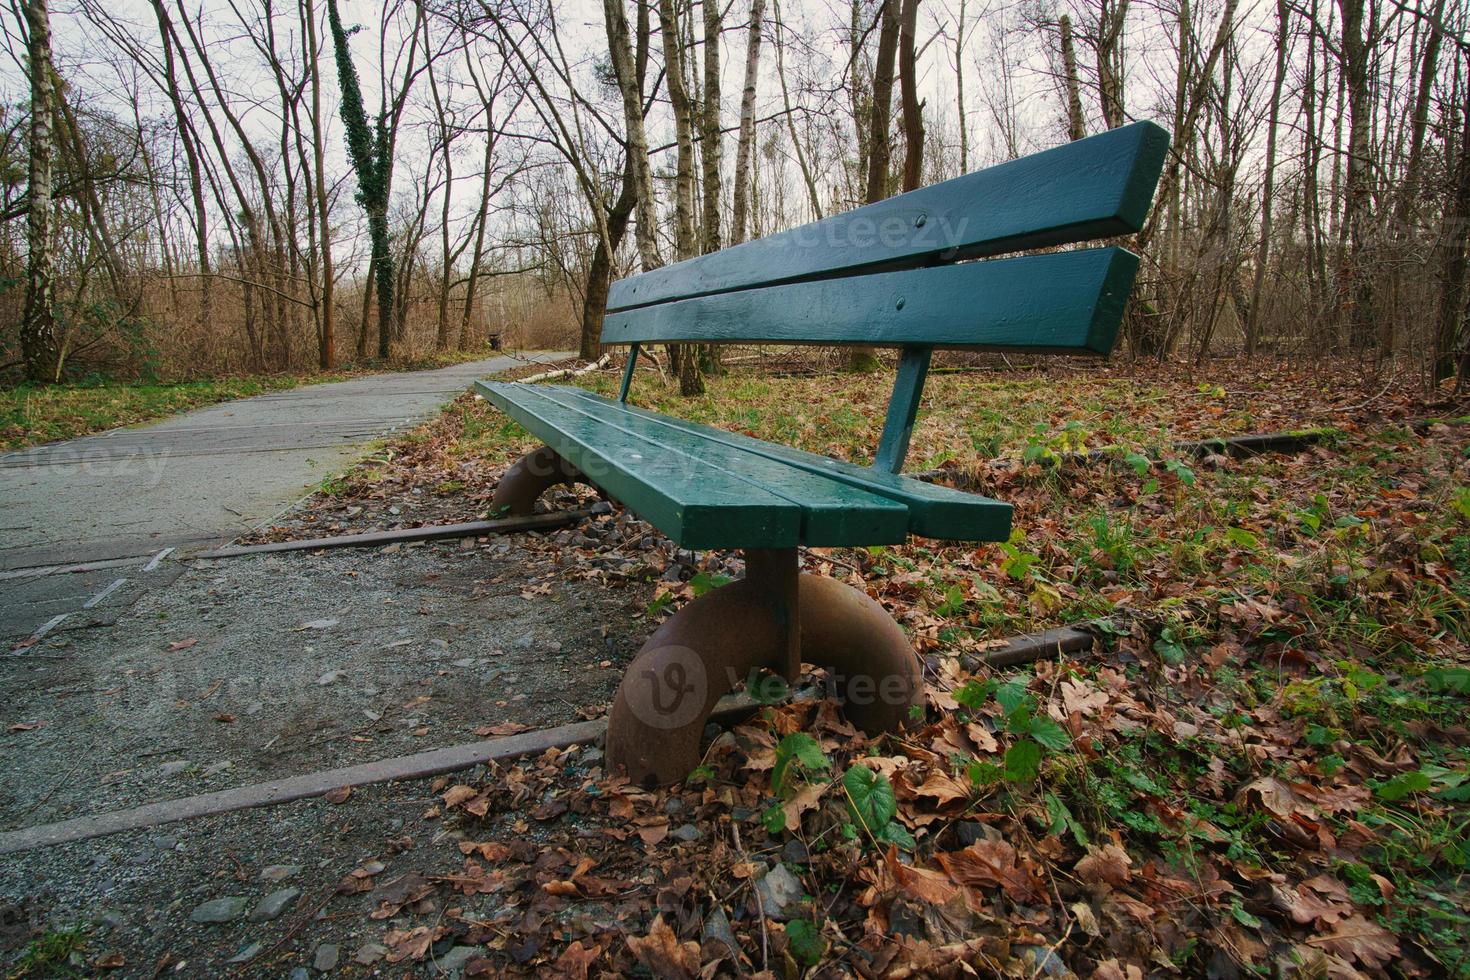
pixel 40 342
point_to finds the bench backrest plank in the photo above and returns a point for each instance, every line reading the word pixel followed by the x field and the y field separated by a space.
pixel 893 273
pixel 1056 301
pixel 1093 188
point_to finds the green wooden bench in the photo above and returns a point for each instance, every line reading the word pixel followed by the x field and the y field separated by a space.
pixel 890 274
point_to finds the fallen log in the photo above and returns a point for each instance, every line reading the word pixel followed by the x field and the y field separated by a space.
pixel 596 365
pixel 432 532
pixel 1030 647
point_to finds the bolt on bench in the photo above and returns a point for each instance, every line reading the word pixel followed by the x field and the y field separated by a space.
pixel 888 274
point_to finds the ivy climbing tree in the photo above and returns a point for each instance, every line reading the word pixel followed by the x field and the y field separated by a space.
pixel 369 150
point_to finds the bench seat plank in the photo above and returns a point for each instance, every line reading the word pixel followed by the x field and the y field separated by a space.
pixel 934 511
pixel 702 493
pixel 1060 301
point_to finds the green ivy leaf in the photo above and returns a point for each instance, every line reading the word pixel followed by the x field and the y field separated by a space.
pixel 1402 785
pixel 705 582
pixel 802 748
pixel 870 798
pixel 807 944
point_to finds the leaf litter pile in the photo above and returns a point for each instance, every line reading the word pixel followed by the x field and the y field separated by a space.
pixel 1262 766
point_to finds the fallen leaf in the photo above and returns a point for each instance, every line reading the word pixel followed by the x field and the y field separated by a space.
pixel 662 953
pixel 1106 865
pixel 456 795
pixel 504 728
pixel 1362 939
pixel 986 863
pixel 339 795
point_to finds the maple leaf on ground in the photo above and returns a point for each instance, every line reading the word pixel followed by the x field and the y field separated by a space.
pixel 575 959
pixel 988 863
pixel 662 953
pixel 502 729
pixel 1112 969
pixel 923 884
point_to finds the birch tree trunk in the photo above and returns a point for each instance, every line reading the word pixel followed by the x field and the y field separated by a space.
pixel 685 242
pixel 629 68
pixel 740 203
pixel 1076 125
pixel 39 341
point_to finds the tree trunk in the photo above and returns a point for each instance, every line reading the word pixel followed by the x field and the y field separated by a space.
pixel 1449 339
pixel 629 66
pixel 959 83
pixel 1112 16
pixel 880 138
pixel 1355 286
pixel 710 150
pixel 40 344
pixel 325 349
pixel 1268 184
pixel 913 109
pixel 370 158
pixel 740 205
pixel 1076 125
pixel 685 242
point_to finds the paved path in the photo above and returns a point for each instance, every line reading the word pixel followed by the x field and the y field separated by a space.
pixel 207 476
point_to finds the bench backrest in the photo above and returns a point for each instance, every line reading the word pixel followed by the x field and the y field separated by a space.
pixel 892 273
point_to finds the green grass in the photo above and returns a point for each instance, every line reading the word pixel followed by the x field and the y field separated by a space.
pixel 49 955
pixel 31 414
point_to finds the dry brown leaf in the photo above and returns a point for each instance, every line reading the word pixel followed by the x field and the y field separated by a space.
pixel 1106 865
pixel 455 795
pixel 804 799
pixel 662 953
pixel 339 795
pixel 988 863
pixel 503 728
pixel 575 959
pixel 1362 939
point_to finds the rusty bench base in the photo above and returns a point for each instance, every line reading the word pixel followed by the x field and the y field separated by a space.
pixel 773 619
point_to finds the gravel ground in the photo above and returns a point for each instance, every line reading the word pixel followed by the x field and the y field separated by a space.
pixel 248 669
pixel 252 668
pixel 137 895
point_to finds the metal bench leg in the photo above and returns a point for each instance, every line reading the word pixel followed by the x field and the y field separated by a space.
pixel 530 477
pixel 711 645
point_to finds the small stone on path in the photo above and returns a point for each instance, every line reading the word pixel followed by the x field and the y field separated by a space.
pixel 779 889
pixel 279 872
pixel 274 904
pixel 247 953
pixel 226 909
pixel 455 959
pixel 325 958
pixel 369 954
